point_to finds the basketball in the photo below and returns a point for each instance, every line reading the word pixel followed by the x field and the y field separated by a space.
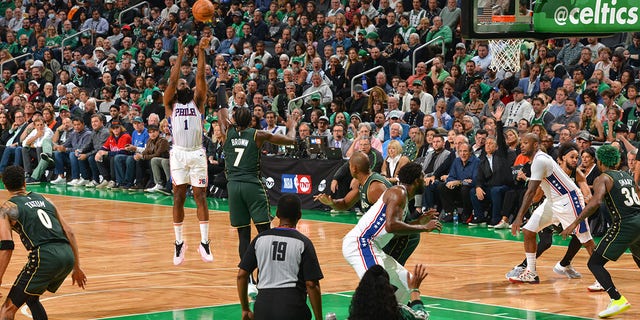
pixel 203 10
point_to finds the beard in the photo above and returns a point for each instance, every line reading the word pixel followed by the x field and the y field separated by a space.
pixel 184 96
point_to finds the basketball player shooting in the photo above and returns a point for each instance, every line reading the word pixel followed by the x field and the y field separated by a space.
pixel 187 156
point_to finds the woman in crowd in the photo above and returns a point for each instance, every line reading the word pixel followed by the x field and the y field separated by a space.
pixel 311 54
pixel 51 63
pixel 394 161
pixel 603 63
pixel 589 122
pixel 397 50
pixel 612 123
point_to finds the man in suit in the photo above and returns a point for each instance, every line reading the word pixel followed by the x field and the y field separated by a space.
pixel 339 140
pixel 12 153
pixel 531 84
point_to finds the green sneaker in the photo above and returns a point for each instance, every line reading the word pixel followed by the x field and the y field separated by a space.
pixel 615 307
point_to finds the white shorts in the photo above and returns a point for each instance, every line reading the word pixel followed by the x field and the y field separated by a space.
pixel 188 166
pixel 564 210
pixel 361 258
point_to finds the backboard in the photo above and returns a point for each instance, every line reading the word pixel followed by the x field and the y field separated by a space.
pixel 544 19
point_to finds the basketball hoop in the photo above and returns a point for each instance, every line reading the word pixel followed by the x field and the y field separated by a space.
pixel 505 54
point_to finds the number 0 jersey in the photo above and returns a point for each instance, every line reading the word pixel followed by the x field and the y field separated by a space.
pixel 186 126
pixel 622 200
pixel 37 222
pixel 242 157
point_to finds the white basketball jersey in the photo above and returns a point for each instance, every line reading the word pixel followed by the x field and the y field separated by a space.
pixel 186 126
pixel 371 226
pixel 555 183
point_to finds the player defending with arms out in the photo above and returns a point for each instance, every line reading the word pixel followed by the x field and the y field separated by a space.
pixel 247 196
pixel 53 250
pixel 564 202
pixel 370 186
pixel 362 246
pixel 621 195
pixel 187 160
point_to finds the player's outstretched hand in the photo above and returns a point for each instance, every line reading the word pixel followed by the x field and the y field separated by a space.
pixel 419 273
pixel 78 277
pixel 434 225
pixel 180 45
pixel 498 113
pixel 428 215
pixel 324 199
pixel 568 231
pixel 205 43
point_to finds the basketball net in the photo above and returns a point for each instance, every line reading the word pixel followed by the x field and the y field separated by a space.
pixel 505 54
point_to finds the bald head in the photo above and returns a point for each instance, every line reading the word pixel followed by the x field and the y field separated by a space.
pixel 532 137
pixel 360 162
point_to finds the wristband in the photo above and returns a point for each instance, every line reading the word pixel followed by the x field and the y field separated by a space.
pixel 414 290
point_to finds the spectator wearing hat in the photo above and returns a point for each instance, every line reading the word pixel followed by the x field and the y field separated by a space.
pixel 420 74
pixel 545 86
pixel 426 99
pixel 357 101
pixel 517 109
pixel 105 157
pixel 85 47
pixel 394 117
pixel 125 163
pixel 583 140
pixel 323 127
pixel 460 56
pixel 150 86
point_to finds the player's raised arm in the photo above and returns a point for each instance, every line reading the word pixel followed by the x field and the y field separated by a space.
pixel 6 242
pixel 172 85
pixel 200 95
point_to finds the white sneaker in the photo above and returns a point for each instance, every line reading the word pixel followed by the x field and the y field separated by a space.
pixel 91 184
pixel 102 184
pixel 178 257
pixel 595 287
pixel 82 182
pixel 501 225
pixel 111 184
pixel 527 276
pixel 516 271
pixel 252 291
pixel 154 189
pixel 568 271
pixel 73 182
pixel 59 180
pixel 615 307
pixel 205 252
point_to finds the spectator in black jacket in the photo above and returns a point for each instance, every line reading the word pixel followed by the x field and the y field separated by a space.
pixel 493 178
pixel 436 164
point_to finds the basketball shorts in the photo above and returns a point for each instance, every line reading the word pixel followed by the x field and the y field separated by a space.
pixel 46 269
pixel 188 167
pixel 362 254
pixel 248 201
pixel 563 210
pixel 620 236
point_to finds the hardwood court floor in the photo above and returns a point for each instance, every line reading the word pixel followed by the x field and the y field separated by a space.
pixel 126 251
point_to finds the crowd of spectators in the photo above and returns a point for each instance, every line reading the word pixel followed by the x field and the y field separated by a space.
pixel 81 85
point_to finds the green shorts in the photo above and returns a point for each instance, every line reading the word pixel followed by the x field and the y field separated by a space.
pixel 46 269
pixel 248 201
pixel 619 237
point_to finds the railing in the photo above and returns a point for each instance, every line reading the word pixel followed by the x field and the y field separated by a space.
pixel 304 96
pixel 413 58
pixel 75 35
pixel 119 20
pixel 362 74
pixel 14 59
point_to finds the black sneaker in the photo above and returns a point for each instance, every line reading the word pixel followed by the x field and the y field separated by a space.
pixel 477 221
pixel 31 181
pixel 165 192
pixel 446 217
pixel 47 158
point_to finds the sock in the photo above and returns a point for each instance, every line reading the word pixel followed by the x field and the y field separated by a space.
pixel 204 231
pixel 531 260
pixel 177 229
pixel 613 293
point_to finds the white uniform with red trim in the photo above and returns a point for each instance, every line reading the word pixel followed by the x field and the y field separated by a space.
pixel 362 247
pixel 564 201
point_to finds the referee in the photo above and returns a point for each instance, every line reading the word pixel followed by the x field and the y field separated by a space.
pixel 288 266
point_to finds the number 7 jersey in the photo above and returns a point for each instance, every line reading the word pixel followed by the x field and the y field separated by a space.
pixel 242 156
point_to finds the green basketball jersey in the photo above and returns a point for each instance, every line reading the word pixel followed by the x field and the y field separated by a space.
pixel 622 200
pixel 364 189
pixel 242 156
pixel 37 222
